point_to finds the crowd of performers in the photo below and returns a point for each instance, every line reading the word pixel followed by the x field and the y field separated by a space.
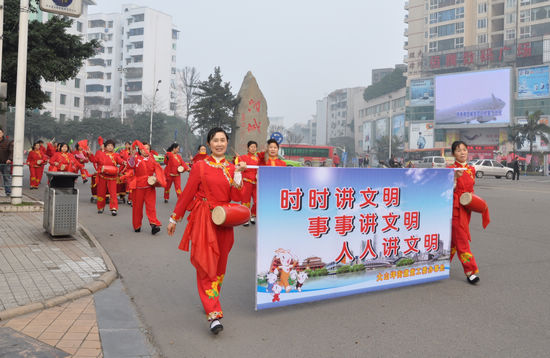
pixel 213 181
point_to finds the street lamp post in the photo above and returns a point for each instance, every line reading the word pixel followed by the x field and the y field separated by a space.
pixel 389 148
pixel 152 110
pixel 122 71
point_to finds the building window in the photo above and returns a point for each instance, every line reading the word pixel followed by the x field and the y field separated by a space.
pixel 138 44
pixel 173 58
pixel 172 106
pixel 110 24
pixel 433 4
pixel 77 101
pixel 433 18
pixel 510 34
pixel 138 58
pixel 173 70
pixel 459 42
pixel 525 16
pixel 49 95
pixel 525 2
pixel 510 4
pixel 62 117
pixel 76 118
pixel 482 23
pixel 62 99
pixel 433 46
pixel 482 8
pixel 108 75
pixel 481 39
pixel 139 17
pixel 77 83
pixel 433 32
pixel 459 12
pixel 174 46
pixel 510 18
pixel 108 89
pixel 524 32
pixel 109 62
pixel 135 32
pixel 78 26
pixel 109 50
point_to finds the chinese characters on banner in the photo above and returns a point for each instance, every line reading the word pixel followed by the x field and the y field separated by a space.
pixel 329 232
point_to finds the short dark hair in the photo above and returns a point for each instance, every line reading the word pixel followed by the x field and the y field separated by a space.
pixel 214 131
pixel 457 143
pixel 273 141
pixel 109 141
pixel 250 142
pixel 201 145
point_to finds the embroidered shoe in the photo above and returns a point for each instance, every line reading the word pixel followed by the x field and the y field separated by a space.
pixel 113 212
pixel 473 279
pixel 216 327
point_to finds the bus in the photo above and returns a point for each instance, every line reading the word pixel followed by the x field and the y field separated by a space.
pixel 415 155
pixel 308 154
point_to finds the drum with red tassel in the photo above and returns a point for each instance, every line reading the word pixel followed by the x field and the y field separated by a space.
pixel 109 170
pixel 475 203
pixel 230 215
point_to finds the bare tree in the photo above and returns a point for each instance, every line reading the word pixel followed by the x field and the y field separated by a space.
pixel 188 79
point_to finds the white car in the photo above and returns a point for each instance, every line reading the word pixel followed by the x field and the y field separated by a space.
pixel 491 167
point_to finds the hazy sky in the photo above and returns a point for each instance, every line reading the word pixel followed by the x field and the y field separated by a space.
pixel 299 51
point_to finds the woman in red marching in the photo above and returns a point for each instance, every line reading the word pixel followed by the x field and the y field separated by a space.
pixel 107 172
pixel 201 154
pixel 63 161
pixel 249 179
pixel 213 181
pixel 145 168
pixel 174 167
pixel 271 156
pixel 36 159
pixel 82 158
pixel 460 236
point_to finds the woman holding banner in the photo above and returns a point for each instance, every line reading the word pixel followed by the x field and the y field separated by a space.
pixel 460 236
pixel 212 182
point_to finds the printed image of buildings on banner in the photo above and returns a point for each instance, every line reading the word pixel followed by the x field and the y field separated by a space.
pixel 331 232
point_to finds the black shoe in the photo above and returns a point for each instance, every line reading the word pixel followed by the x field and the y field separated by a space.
pixel 85 181
pixel 246 223
pixel 100 211
pixel 472 279
pixel 155 229
pixel 138 229
pixel 253 220
pixel 165 200
pixel 216 327
pixel 113 212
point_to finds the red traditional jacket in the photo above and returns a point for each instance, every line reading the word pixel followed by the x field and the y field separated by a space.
pixel 34 156
pixel 199 156
pixel 464 184
pixel 101 158
pixel 81 156
pixel 265 160
pixel 144 167
pixel 173 161
pixel 124 154
pixel 249 175
pixel 64 159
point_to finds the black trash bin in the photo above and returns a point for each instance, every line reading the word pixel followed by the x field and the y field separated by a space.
pixel 61 204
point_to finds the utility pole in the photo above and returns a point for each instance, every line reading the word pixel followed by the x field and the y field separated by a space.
pixel 391 129
pixel 3 86
pixel 122 71
pixel 153 110
pixel 20 93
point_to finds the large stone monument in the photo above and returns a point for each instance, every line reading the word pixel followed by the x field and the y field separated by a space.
pixel 250 116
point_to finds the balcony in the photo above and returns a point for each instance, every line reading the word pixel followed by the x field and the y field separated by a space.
pixel 406 32
pixel 406 45
pixel 406 5
pixel 406 20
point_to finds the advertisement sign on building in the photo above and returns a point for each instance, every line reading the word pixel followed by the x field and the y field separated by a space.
pixel 381 128
pixel 480 136
pixel 367 135
pixel 349 231
pixel 422 92
pixel 533 82
pixel 62 7
pixel 421 135
pixel 466 98
pixel 398 126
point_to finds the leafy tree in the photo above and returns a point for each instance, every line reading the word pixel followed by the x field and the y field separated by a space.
pixel 515 137
pixel 534 128
pixel 387 84
pixel 53 54
pixel 382 149
pixel 215 104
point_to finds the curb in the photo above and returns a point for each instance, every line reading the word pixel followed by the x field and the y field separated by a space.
pixel 98 284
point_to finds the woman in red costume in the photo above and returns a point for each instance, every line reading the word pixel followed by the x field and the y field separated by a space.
pixel 107 172
pixel 174 167
pixel 213 181
pixel 145 166
pixel 271 156
pixel 460 236
pixel 201 154
pixel 82 158
pixel 63 161
pixel 36 159
pixel 249 179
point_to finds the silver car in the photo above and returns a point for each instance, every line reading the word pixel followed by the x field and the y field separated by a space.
pixel 491 167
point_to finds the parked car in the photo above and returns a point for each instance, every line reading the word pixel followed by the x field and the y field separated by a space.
pixel 492 167
pixel 431 162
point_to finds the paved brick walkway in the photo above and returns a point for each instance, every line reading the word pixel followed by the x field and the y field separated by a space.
pixel 34 268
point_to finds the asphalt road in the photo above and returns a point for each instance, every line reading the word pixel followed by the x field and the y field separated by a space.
pixel 506 315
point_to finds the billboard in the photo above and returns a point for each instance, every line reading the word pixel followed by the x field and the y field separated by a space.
pixel 422 92
pixel 480 136
pixel 421 135
pixel 367 136
pixel 381 128
pixel 349 231
pixel 467 98
pixel 398 126
pixel 533 82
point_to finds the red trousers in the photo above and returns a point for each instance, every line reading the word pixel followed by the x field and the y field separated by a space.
pixel 249 194
pixel 209 291
pixel 147 196
pixel 104 186
pixel 461 244
pixel 36 176
pixel 177 185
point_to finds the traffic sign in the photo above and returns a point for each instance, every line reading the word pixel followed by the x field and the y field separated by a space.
pixel 278 136
pixel 62 7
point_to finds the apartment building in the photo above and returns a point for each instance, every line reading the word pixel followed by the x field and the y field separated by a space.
pixel 67 98
pixel 136 64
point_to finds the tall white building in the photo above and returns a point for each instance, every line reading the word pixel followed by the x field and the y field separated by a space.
pixel 138 49
pixel 67 98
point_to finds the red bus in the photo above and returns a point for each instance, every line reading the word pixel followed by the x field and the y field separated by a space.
pixel 307 153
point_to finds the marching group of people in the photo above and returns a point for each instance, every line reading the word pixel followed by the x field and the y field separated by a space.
pixel 213 181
